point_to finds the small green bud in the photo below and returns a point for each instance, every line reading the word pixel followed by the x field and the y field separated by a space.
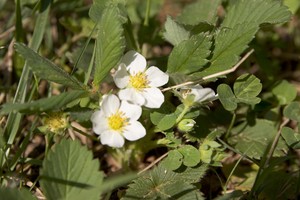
pixel 186 125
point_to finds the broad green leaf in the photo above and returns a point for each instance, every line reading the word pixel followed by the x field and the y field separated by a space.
pixel 167 122
pixel 253 140
pixel 16 194
pixel 162 183
pixel 191 155
pixel 229 44
pixel 284 92
pixel 227 97
pixel 246 88
pixel 292 111
pixel 291 137
pixel 174 160
pixel 257 11
pixel 190 55
pixel 45 69
pixel 110 43
pixel 293 5
pixel 47 104
pixel 200 11
pixel 69 172
pixel 174 32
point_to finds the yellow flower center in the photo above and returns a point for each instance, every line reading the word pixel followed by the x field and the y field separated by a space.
pixel 138 81
pixel 117 121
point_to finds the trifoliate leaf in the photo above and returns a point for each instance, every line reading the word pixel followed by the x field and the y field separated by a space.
pixel 284 92
pixel 16 194
pixel 246 88
pixel 45 69
pixel 227 97
pixel 69 172
pixel 190 55
pixel 253 140
pixel 110 43
pixel 292 111
pixel 291 137
pixel 200 11
pixel 174 160
pixel 191 155
pixel 175 32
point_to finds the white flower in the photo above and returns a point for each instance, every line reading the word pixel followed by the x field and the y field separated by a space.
pixel 139 85
pixel 198 94
pixel 117 120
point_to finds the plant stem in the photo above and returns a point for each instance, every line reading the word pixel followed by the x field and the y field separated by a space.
pixel 146 21
pixel 230 126
pixel 185 110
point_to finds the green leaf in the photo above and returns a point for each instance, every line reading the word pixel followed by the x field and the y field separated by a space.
pixel 246 88
pixel 235 195
pixel 16 194
pixel 117 181
pixel 292 111
pixel 110 43
pixel 167 122
pixel 284 92
pixel 227 97
pixel 174 160
pixel 293 5
pixel 97 9
pixel 174 32
pixel 200 11
pixel 45 69
pixel 229 44
pixel 256 11
pixel 190 55
pixel 47 104
pixel 162 183
pixel 191 155
pixel 69 172
pixel 291 137
pixel 253 140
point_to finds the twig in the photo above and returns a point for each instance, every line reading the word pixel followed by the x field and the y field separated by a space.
pixel 153 163
pixel 212 75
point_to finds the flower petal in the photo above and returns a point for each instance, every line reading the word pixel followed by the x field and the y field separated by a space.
pixel 110 104
pixel 154 97
pixel 204 94
pixel 134 131
pixel 132 95
pixel 134 61
pixel 132 111
pixel 99 122
pixel 121 77
pixel 112 138
pixel 156 77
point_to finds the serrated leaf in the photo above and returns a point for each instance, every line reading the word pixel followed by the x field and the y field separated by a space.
pixel 246 88
pixel 227 97
pixel 284 92
pixel 190 55
pixel 256 11
pixel 291 137
pixel 253 140
pixel 97 9
pixel 200 11
pixel 174 160
pixel 162 183
pixel 292 111
pixel 191 155
pixel 110 43
pixel 69 172
pixel 175 32
pixel 47 104
pixel 45 69
pixel 229 44
pixel 16 194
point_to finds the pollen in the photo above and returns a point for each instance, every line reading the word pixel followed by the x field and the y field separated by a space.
pixel 138 81
pixel 117 121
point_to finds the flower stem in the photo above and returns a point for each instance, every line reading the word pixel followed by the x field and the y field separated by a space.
pixel 184 111
pixel 230 126
pixel 146 21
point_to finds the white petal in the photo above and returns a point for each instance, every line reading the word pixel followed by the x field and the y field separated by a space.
pixel 134 131
pixel 121 77
pixel 204 94
pixel 112 138
pixel 132 95
pixel 154 97
pixel 132 111
pixel 99 122
pixel 134 61
pixel 156 77
pixel 110 104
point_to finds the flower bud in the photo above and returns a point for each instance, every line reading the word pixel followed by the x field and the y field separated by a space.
pixel 186 125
